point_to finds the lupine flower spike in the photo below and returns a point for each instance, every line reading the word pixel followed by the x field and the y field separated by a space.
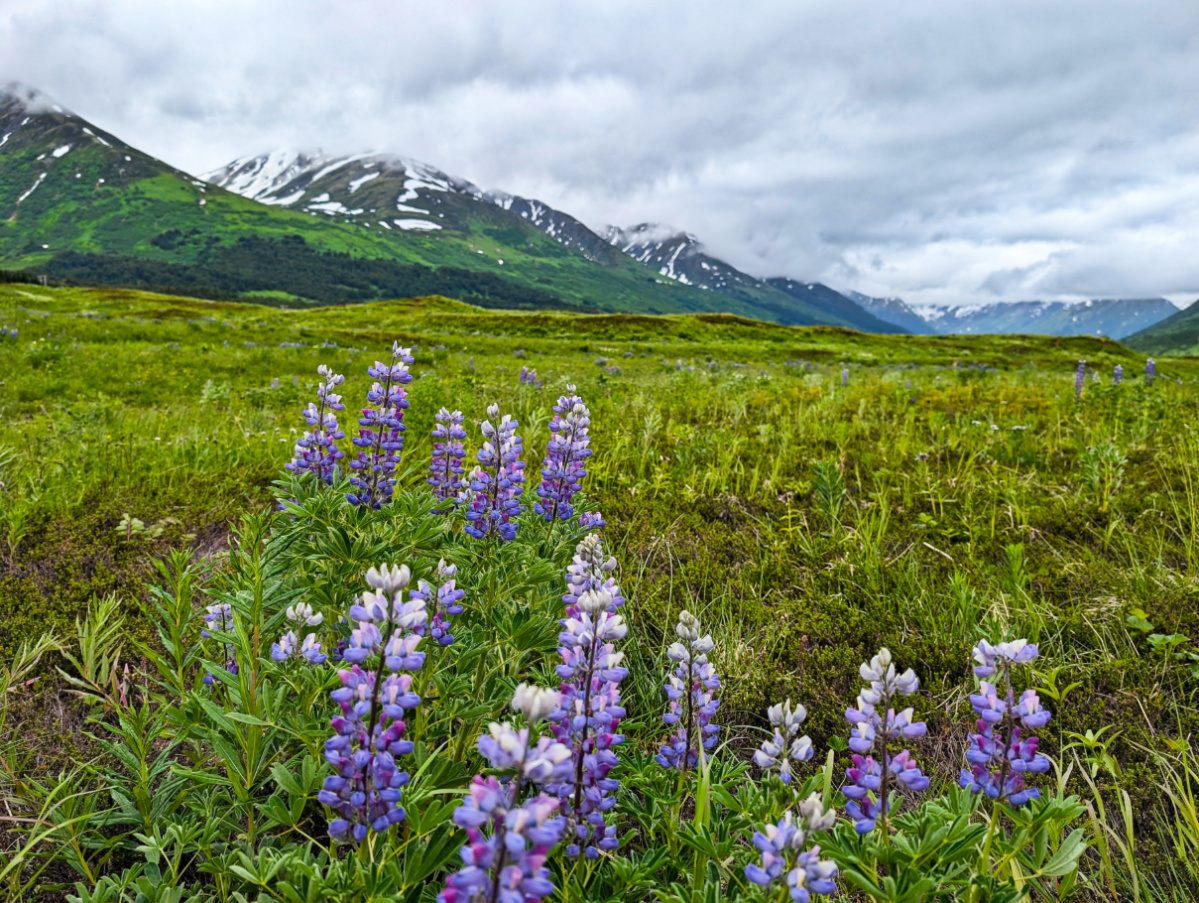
pixel 290 645
pixel 380 438
pixel 845 377
pixel 1118 375
pixel 220 617
pixel 446 470
pixel 529 378
pixel 563 470
pixel 509 838
pixel 1000 757
pixel 785 747
pixel 869 783
pixel 316 452
pixel 690 691
pixel 783 855
pixel 1080 376
pixel 496 483
pixel 1150 371
pixel 448 599
pixel 588 718
pixel 365 791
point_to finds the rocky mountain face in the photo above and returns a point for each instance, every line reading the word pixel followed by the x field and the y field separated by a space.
pixel 1115 318
pixel 894 311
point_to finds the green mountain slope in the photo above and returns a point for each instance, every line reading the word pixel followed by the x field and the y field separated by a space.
pixel 1178 334
pixel 77 202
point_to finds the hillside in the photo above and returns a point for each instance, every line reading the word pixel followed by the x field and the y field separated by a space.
pixel 77 202
pixel 892 310
pixel 1178 334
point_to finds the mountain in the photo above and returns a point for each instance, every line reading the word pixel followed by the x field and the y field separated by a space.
pixel 834 303
pixel 1177 334
pixel 892 310
pixel 78 203
pixel 681 256
pixel 1114 318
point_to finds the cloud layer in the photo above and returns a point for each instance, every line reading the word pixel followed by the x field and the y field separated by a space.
pixel 944 152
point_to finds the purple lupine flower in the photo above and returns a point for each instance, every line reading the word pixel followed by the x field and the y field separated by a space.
pixel 446 470
pixel 587 720
pixel 380 438
pixel 508 838
pixel 316 452
pixel 783 855
pixel 784 747
pixel 290 645
pixel 1080 376
pixel 563 470
pixel 365 791
pixel 999 755
pixel 690 691
pixel 591 520
pixel 1150 371
pixel 1118 375
pixel 588 572
pixel 220 617
pixel 448 600
pixel 870 781
pixel 845 377
pixel 529 378
pixel 496 483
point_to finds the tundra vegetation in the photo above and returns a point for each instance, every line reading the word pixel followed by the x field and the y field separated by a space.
pixel 413 601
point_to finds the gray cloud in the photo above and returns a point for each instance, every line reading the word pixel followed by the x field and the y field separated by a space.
pixel 947 153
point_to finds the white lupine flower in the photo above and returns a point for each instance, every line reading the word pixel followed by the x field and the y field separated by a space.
pixel 389 578
pixel 302 612
pixel 535 702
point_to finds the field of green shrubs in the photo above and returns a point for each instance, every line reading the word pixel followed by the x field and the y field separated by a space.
pixel 811 496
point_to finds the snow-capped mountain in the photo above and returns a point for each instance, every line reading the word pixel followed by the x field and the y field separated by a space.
pixel 1111 317
pixel 677 255
pixel 389 192
pixel 893 310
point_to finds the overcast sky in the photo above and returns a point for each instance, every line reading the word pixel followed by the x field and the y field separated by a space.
pixel 959 151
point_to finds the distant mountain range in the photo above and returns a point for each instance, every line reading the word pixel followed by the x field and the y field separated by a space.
pixel 298 228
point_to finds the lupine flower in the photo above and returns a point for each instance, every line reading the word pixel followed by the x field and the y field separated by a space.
pixel 784 747
pixel 380 438
pixel 508 839
pixel 220 617
pixel 869 781
pixel 845 377
pixel 366 789
pixel 316 452
pixel 529 378
pixel 587 721
pixel 690 692
pixel 302 613
pixel 445 471
pixel 1150 371
pixel 289 646
pixel 998 754
pixel 1118 375
pixel 589 571
pixel 563 469
pixel 783 855
pixel 1080 376
pixel 591 520
pixel 496 483
pixel 448 599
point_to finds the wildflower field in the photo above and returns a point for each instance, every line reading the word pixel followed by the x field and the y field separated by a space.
pixel 511 607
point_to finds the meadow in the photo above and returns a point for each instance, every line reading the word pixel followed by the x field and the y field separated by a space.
pixel 810 495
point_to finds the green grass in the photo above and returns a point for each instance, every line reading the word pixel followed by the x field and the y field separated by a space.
pixel 917 508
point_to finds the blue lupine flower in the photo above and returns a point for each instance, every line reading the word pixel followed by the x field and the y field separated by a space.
pixel 365 790
pixel 316 452
pixel 690 694
pixel 1118 375
pixel 845 377
pixel 508 839
pixel 784 747
pixel 781 847
pixel 587 719
pixel 590 571
pixel 998 754
pixel 496 483
pixel 1080 376
pixel 446 470
pixel 563 470
pixel 529 378
pixel 1150 371
pixel 381 434
pixel 448 599
pixel 869 781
